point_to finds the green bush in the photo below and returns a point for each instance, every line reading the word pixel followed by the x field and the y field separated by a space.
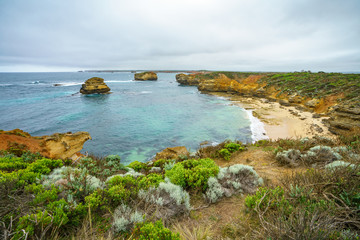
pixel 138 166
pixel 193 173
pixel 225 154
pixel 149 230
pixel 233 147
pixel 267 198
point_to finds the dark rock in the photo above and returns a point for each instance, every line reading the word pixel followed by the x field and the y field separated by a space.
pixel 190 80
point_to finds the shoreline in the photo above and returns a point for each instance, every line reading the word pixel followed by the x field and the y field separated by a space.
pixel 279 121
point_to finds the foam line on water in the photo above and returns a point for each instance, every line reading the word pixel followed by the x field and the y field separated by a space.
pixel 257 127
pixel 116 81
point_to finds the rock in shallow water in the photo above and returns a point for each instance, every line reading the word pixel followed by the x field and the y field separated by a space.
pixel 145 76
pixel 94 85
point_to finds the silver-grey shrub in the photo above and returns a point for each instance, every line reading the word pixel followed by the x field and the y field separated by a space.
pixel 125 218
pixel 165 201
pixel 232 180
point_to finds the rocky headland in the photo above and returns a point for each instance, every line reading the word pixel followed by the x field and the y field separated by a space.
pixel 331 95
pixel 145 76
pixel 56 146
pixel 94 85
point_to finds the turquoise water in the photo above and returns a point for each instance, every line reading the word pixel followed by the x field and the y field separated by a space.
pixel 137 120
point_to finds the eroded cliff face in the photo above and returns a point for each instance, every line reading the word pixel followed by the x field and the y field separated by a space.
pixel 58 145
pixel 344 117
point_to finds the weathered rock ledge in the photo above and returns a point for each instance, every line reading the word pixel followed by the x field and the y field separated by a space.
pixel 344 117
pixel 94 85
pixel 146 76
pixel 58 145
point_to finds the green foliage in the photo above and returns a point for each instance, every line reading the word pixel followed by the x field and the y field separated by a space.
pixel 226 154
pixel 12 163
pixel 53 216
pixel 150 180
pixel 138 166
pixel 161 162
pixel 193 173
pixel 267 198
pixel 233 147
pixel 96 199
pixel 229 148
pixel 42 196
pixel 149 230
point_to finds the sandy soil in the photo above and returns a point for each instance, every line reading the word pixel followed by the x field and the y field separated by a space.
pixel 281 121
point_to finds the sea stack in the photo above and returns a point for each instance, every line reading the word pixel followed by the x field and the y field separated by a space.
pixel 146 76
pixel 94 85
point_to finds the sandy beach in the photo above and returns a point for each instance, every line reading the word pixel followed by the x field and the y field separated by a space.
pixel 281 121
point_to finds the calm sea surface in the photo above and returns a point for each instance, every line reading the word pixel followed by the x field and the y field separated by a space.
pixel 137 120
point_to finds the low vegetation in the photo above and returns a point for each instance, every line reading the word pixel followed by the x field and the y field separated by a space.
pixel 98 197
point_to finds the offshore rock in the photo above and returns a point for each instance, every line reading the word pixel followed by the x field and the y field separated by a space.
pixel 94 85
pixel 172 153
pixel 146 76
pixel 58 145
pixel 190 79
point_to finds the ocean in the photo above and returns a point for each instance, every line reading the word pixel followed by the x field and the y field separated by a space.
pixel 137 120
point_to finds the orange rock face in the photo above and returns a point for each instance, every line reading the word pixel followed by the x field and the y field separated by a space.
pixel 172 153
pixel 58 145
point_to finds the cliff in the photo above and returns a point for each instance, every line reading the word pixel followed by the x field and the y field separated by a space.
pixel 58 145
pixel 332 94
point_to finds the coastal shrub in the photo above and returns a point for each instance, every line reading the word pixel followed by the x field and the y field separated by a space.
pixel 160 162
pixel 267 198
pixel 39 224
pixel 233 147
pixel 193 173
pixel 226 154
pixel 12 163
pixel 289 157
pixel 165 201
pixel 320 155
pixel 138 166
pixel 125 218
pixel 169 165
pixel 231 180
pixel 79 183
pixel 97 199
pixel 149 230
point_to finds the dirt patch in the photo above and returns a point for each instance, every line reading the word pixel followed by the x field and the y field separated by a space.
pixel 223 217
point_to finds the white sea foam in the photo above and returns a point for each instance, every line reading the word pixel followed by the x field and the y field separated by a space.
pixel 117 81
pixel 257 127
pixel 145 92
pixel 67 84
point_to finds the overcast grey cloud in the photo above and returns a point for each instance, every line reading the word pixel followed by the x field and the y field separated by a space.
pixel 239 35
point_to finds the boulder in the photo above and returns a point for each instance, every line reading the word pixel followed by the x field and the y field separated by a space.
pixel 172 153
pixel 94 85
pixel 59 145
pixel 146 76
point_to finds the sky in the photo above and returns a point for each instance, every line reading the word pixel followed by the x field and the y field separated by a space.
pixel 231 35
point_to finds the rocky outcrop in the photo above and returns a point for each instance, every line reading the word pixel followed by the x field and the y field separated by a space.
pixel 172 153
pixel 58 145
pixel 146 76
pixel 185 79
pixel 344 118
pixel 94 85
